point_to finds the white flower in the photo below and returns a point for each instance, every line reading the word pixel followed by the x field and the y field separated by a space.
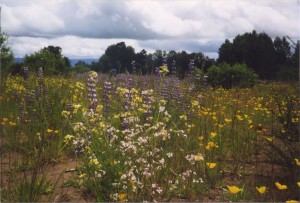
pixel 169 154
pixel 161 108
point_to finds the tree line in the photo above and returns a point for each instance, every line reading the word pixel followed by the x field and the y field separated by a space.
pixel 270 59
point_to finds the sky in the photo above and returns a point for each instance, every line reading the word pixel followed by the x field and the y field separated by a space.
pixel 85 28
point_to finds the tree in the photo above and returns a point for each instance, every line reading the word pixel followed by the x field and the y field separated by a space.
pixel 105 64
pixel 120 56
pixel 50 59
pixel 295 56
pixel 81 67
pixel 255 50
pixel 6 56
pixel 226 53
pixel 141 61
pixel 282 51
pixel 95 66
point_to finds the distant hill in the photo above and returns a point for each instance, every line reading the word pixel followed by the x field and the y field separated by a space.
pixel 88 61
pixel 72 61
pixel 18 60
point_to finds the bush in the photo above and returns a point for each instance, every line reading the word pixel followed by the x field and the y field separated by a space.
pixel 227 76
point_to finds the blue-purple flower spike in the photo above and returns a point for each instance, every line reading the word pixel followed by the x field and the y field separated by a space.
pixel 91 86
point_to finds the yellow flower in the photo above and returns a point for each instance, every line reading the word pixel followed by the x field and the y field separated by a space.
pixel 234 189
pixel 122 197
pixel 261 189
pixel 270 139
pixel 211 165
pixel 183 117
pixel 297 162
pixel 195 103
pixel 227 120
pixel 82 175
pixel 200 138
pixel 298 183
pixel 198 157
pixel 12 124
pixel 292 201
pixel 280 187
pixel 49 131
pixel 163 69
pixel 65 113
pixel 211 145
pixel 68 138
pixel 240 118
pixel 4 120
pixel 212 134
pixel 56 131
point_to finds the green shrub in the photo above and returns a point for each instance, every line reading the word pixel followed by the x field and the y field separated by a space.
pixel 227 76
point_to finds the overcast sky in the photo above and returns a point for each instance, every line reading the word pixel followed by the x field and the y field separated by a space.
pixel 85 28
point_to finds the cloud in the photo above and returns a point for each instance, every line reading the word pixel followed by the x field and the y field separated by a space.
pixel 86 27
pixel 72 46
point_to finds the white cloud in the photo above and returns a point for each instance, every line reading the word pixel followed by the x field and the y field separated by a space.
pixel 72 46
pixel 86 27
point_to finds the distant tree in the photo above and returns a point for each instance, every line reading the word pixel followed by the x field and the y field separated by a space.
pixel 67 61
pixel 50 59
pixel 95 66
pixel 55 50
pixel 120 56
pixel 141 61
pixel 105 64
pixel 157 57
pixel 295 56
pixel 226 54
pixel 255 50
pixel 6 56
pixel 81 67
pixel 182 62
pixel 282 51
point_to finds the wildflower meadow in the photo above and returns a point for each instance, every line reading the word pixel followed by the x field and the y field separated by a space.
pixel 128 137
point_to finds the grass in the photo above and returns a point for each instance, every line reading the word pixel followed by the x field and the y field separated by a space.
pixel 136 139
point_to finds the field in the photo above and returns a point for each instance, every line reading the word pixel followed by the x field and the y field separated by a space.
pixel 98 137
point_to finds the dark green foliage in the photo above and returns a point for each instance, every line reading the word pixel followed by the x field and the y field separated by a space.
pixel 50 59
pixel 228 76
pixel 6 56
pixel 81 67
pixel 259 52
pixel 117 56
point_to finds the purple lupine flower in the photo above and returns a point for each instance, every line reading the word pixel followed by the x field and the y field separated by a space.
pixel 41 75
pixel 22 118
pixel 29 97
pixel 173 68
pixel 165 88
pixel 133 68
pixel 25 73
pixel 147 101
pixel 79 145
pixel 191 67
pixel 113 72
pixel 164 60
pixel 91 86
pixel 107 91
